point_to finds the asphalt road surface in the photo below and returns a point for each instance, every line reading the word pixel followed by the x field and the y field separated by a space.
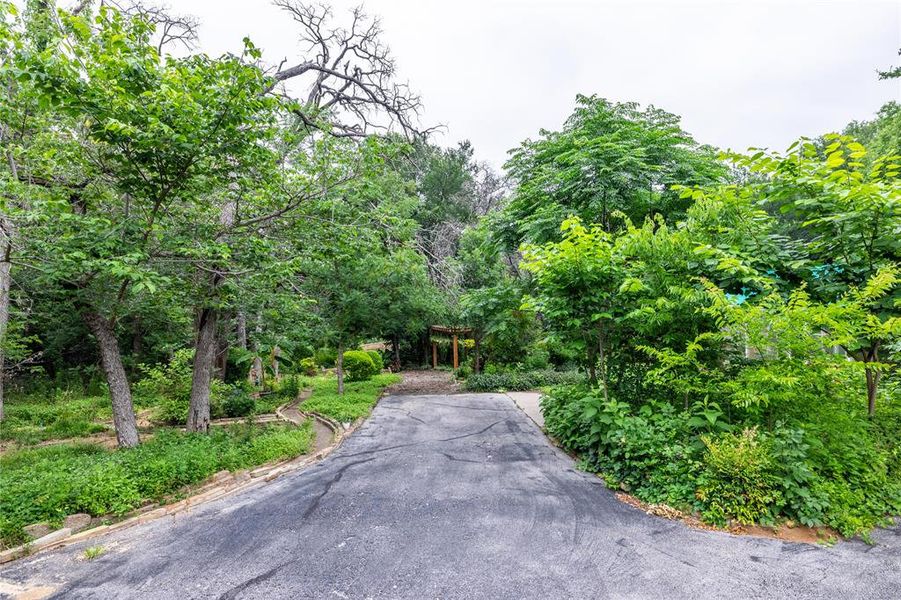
pixel 450 497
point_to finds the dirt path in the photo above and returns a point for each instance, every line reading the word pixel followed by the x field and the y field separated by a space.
pixel 425 382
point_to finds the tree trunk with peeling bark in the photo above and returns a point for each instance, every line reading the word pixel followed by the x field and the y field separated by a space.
pixel 120 392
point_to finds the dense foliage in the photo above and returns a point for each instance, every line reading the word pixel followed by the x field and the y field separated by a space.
pixel 759 331
pixel 513 380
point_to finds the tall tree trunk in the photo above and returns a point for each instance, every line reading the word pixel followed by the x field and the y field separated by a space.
pixel 273 359
pixel 9 233
pixel 120 393
pixel 5 283
pixel 241 330
pixel 206 343
pixel 204 356
pixel 203 366
pixel 873 377
pixel 339 367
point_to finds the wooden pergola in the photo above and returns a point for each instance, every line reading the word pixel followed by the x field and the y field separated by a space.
pixel 454 332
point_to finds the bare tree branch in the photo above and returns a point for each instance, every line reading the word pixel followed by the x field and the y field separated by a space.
pixel 172 29
pixel 349 73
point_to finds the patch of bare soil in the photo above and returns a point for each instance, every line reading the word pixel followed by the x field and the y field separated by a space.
pixel 425 382
pixel 788 532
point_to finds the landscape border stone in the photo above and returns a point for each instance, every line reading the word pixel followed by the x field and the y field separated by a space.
pixel 218 487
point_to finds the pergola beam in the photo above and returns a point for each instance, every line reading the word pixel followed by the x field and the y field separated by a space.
pixel 454 332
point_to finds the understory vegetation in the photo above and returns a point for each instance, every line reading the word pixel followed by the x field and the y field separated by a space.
pixel 521 380
pixel 357 400
pixel 741 360
pixel 47 483
pixel 186 237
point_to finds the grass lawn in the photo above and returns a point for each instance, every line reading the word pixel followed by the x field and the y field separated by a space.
pixel 50 482
pixel 358 399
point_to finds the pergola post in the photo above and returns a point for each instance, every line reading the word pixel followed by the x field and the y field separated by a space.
pixel 456 356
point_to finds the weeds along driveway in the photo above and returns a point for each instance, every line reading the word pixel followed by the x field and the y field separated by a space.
pixel 455 496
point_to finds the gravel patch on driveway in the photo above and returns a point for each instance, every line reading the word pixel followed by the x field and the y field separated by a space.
pixel 450 497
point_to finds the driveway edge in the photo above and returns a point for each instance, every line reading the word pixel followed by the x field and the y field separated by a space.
pixel 223 484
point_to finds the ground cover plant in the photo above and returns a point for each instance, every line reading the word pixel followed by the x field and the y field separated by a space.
pixel 49 482
pixel 521 380
pixel 35 418
pixel 357 400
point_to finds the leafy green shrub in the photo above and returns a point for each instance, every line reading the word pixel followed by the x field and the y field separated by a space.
pixel 518 381
pixel 377 360
pixel 172 380
pixel 463 372
pixel 168 389
pixel 648 451
pixel 801 495
pixel 829 467
pixel 309 367
pixel 289 387
pixel 106 489
pixel 564 410
pixel 326 357
pixel 538 359
pixel 359 366
pixel 739 480
pixel 238 403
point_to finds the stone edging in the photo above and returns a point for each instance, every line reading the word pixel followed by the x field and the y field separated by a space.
pixel 223 484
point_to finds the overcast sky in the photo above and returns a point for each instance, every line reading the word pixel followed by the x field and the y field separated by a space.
pixel 749 73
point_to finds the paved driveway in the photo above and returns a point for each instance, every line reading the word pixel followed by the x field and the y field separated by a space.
pixel 451 497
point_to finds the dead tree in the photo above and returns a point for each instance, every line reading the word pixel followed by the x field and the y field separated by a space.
pixel 348 75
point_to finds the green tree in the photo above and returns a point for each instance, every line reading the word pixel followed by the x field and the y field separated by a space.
pixel 844 215
pixel 577 282
pixel 154 136
pixel 609 159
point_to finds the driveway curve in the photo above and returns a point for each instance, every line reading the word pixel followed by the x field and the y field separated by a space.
pixel 455 496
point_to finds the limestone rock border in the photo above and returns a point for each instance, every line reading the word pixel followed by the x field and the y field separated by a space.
pixel 220 485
